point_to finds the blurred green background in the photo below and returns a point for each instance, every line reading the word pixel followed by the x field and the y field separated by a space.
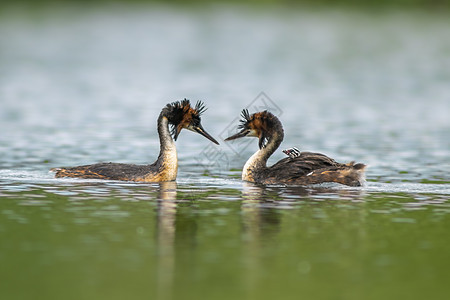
pixel 399 4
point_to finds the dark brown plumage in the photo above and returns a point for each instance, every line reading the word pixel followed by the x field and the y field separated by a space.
pixel 178 115
pixel 306 168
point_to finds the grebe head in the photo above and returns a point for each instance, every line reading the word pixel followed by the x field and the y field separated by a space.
pixel 262 125
pixel 182 115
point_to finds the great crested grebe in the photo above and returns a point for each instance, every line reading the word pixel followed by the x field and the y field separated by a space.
pixel 179 115
pixel 300 168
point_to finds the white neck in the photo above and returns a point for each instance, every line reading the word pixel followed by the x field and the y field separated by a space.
pixel 168 151
pixel 166 141
pixel 258 161
pixel 251 163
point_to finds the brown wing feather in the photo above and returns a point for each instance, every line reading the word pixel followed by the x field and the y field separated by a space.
pixel 313 168
pixel 112 171
pixel 290 168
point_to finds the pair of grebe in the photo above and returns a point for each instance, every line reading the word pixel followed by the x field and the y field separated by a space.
pixel 299 168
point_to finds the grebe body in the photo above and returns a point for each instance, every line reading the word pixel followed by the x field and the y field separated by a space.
pixel 179 115
pixel 300 168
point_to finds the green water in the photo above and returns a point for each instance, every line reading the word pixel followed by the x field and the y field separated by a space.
pixel 166 242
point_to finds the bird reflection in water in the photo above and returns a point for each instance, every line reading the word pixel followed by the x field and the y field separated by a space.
pixel 261 222
pixel 166 214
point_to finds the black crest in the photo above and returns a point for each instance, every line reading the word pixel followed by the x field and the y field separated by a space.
pixel 200 108
pixel 177 111
pixel 263 118
pixel 245 119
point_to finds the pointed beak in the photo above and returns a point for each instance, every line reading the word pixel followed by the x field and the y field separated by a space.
pixel 199 129
pixel 243 133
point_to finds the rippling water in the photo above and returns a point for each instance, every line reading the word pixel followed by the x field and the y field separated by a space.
pixel 84 86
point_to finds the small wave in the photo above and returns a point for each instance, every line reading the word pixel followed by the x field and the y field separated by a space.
pixel 25 175
pixel 210 182
pixel 408 188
